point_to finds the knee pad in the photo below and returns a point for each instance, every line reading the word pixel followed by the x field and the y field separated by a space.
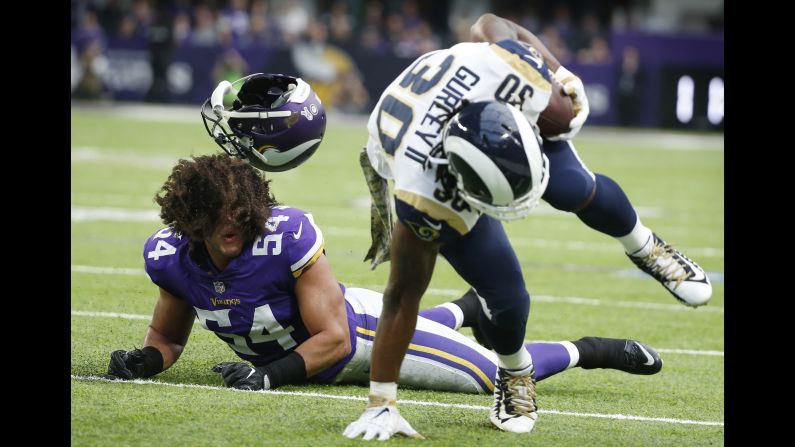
pixel 570 189
pixel 509 313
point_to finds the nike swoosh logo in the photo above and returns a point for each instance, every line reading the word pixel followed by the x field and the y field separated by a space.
pixel 436 227
pixel 648 356
pixel 385 410
pixel 250 373
pixel 698 274
pixel 298 234
pixel 275 157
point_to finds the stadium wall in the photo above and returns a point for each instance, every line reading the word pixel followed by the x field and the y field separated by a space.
pixel 682 76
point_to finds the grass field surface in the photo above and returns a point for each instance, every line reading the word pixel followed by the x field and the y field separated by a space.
pixel 580 282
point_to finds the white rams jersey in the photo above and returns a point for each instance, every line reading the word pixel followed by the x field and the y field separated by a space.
pixel 407 121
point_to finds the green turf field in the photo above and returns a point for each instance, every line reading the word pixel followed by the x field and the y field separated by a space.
pixel 580 281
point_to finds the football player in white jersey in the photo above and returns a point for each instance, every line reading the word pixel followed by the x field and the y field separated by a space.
pixel 456 132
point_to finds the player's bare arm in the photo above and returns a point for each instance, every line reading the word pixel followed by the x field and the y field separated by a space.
pixel 171 324
pixel 412 263
pixel 322 309
pixel 492 28
pixel 165 340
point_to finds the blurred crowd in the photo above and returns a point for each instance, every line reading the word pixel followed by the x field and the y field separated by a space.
pixel 406 28
pixel 321 33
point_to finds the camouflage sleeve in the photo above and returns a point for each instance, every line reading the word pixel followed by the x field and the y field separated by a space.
pixel 380 213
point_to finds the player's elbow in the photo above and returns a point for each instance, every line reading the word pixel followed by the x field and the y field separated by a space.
pixel 486 19
pixel 340 342
pixel 492 28
pixel 476 30
pixel 479 30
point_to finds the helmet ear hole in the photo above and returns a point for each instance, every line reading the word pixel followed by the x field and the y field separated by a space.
pixel 265 90
pixel 468 179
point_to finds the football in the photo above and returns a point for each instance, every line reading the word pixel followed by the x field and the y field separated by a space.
pixel 555 119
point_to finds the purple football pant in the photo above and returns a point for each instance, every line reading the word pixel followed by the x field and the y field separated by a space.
pixel 439 357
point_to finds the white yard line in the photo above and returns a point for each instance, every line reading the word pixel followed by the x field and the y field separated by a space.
pixel 455 293
pixel 89 214
pixel 124 316
pixel 126 157
pixel 92 214
pixel 632 138
pixel 107 270
pixel 622 417
pixel 83 313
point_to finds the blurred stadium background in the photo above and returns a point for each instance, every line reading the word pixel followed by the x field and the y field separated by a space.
pixel 645 63
pixel 653 71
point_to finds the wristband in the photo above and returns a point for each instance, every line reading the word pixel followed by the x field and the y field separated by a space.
pixel 151 363
pixel 288 370
pixel 563 75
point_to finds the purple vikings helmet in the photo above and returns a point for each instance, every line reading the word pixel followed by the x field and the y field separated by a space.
pixel 275 122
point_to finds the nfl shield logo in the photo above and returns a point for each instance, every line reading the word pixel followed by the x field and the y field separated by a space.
pixel 219 286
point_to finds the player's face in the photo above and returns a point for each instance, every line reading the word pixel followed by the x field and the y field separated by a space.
pixel 225 243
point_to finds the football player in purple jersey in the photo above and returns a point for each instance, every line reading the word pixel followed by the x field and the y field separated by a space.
pixel 254 273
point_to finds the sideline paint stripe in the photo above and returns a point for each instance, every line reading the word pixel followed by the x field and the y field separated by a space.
pixel 84 313
pixel 623 417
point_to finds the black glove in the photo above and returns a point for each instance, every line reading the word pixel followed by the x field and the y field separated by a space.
pixel 138 363
pixel 241 376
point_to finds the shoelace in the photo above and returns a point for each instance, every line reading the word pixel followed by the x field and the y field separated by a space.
pixel 666 254
pixel 518 390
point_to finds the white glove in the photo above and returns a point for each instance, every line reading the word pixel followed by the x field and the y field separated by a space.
pixel 573 87
pixel 382 420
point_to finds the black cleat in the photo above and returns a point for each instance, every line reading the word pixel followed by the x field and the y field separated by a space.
pixel 640 359
pixel 629 356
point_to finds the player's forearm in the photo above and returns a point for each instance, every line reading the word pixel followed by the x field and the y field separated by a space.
pixel 492 28
pixel 324 349
pixel 393 335
pixel 410 273
pixel 169 349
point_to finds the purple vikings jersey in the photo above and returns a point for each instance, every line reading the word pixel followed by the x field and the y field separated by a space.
pixel 251 305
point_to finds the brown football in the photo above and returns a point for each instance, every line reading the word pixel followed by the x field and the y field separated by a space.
pixel 555 119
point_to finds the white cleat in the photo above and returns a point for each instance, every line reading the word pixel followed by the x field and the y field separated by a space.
pixel 686 281
pixel 514 407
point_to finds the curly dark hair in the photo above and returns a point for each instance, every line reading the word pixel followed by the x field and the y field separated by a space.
pixel 202 190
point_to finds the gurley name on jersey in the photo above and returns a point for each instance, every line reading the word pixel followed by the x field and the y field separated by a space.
pixel 444 103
